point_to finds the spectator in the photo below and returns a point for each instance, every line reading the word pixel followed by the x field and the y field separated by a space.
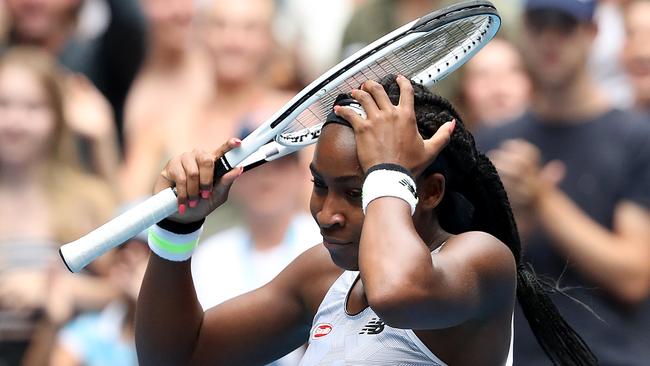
pixel 110 59
pixel 636 53
pixel 577 171
pixel 374 19
pixel 605 63
pixel 155 108
pixel 494 85
pixel 46 200
pixel 275 231
pixel 238 43
pixel 299 28
pixel 89 117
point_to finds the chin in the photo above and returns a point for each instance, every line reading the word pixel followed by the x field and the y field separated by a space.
pixel 348 264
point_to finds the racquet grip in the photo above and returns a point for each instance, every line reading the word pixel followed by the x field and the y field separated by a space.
pixel 221 167
pixel 77 254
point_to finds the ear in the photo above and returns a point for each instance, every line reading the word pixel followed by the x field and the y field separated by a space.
pixel 431 190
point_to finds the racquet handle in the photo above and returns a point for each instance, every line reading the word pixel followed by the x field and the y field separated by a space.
pixel 266 153
pixel 77 254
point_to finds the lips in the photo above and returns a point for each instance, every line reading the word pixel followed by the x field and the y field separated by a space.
pixel 330 242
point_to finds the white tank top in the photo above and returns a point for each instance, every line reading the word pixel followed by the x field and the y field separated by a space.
pixel 338 338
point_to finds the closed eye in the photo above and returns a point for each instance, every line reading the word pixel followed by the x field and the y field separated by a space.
pixel 318 183
pixel 354 194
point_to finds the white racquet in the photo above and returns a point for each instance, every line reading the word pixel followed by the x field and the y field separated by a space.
pixel 426 50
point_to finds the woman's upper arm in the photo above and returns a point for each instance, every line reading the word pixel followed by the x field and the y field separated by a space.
pixel 473 276
pixel 262 325
pixel 478 273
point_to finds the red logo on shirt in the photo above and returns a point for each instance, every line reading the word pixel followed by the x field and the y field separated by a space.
pixel 321 330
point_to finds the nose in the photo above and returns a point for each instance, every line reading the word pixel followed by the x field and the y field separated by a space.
pixel 331 212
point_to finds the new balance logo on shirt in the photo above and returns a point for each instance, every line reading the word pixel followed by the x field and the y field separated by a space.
pixel 374 326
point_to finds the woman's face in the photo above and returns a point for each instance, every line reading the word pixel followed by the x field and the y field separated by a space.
pixel 27 121
pixel 170 22
pixel 336 197
pixel 496 86
pixel 35 20
pixel 238 38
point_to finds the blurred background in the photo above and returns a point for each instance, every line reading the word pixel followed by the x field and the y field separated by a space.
pixel 97 95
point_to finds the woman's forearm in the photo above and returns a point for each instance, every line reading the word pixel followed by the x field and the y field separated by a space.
pixel 392 257
pixel 168 314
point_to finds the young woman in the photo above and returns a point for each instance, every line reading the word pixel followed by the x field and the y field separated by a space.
pixel 415 276
pixel 46 199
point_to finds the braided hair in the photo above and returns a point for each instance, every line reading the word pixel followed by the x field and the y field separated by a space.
pixel 476 200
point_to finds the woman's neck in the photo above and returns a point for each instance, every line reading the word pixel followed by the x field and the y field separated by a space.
pixel 430 230
pixel 16 176
pixel 235 99
pixel 54 41
pixel 163 59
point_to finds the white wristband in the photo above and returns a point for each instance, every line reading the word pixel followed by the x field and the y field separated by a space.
pixel 172 246
pixel 388 182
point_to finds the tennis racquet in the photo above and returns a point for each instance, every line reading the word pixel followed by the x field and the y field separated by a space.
pixel 425 50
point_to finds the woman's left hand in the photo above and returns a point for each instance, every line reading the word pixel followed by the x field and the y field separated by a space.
pixel 389 134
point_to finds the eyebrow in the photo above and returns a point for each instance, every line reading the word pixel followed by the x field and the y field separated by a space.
pixel 342 178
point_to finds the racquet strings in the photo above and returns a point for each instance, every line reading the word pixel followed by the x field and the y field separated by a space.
pixel 426 60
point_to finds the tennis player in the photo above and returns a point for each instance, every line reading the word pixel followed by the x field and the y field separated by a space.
pixel 419 263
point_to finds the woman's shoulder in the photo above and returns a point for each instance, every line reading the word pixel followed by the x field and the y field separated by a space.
pixel 313 265
pixel 312 273
pixel 487 260
pixel 487 254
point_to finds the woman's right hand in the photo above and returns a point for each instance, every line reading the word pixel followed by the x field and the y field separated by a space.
pixel 192 175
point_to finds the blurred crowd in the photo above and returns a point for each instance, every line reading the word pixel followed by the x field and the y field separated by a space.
pixel 96 96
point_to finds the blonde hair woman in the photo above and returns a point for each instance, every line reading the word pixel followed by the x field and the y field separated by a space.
pixel 46 200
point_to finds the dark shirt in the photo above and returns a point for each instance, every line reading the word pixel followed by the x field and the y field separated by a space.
pixel 607 161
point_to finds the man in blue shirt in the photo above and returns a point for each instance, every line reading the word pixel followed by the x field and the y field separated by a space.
pixel 577 173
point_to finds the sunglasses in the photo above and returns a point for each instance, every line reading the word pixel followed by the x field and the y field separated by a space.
pixel 540 20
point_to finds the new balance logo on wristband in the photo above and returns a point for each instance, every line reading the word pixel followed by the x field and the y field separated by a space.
pixel 408 186
pixel 374 326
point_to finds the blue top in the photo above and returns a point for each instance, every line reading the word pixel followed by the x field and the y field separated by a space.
pixel 96 338
pixel 607 161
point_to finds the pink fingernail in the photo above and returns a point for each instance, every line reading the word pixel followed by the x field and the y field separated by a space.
pixel 193 203
pixel 205 194
pixel 452 126
pixel 181 209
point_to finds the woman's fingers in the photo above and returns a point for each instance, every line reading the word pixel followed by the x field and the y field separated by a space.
pixel 406 97
pixel 351 116
pixel 191 168
pixel 174 175
pixel 440 139
pixel 378 94
pixel 205 162
pixel 227 146
pixel 192 175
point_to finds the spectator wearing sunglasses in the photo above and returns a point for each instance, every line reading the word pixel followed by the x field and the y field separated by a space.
pixel 577 173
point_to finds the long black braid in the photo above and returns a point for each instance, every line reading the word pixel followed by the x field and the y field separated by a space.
pixel 476 200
